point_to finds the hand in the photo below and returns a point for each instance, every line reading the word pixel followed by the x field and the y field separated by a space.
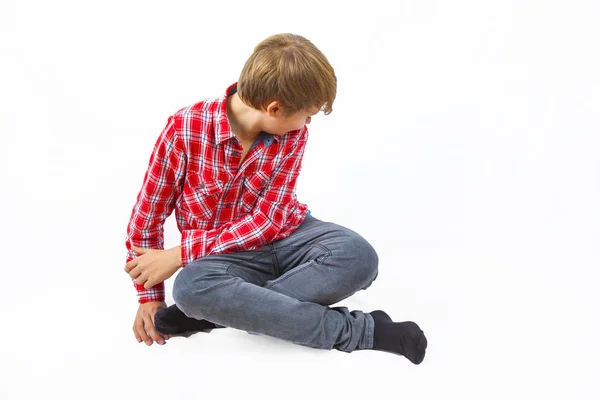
pixel 153 266
pixel 143 326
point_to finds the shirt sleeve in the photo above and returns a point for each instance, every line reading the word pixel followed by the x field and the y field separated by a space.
pixel 260 226
pixel 155 202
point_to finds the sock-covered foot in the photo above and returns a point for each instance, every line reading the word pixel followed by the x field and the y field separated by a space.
pixel 404 338
pixel 172 321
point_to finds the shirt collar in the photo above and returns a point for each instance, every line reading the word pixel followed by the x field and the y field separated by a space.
pixel 223 129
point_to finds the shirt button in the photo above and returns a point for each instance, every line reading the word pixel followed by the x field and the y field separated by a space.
pixel 262 182
pixel 202 185
pixel 227 205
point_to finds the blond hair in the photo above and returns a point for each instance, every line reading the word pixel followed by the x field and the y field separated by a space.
pixel 291 70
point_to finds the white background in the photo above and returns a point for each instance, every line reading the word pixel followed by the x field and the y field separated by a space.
pixel 464 145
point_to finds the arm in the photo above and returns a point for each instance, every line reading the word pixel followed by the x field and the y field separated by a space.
pixel 265 221
pixel 155 201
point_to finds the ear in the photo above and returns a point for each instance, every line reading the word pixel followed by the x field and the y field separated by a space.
pixel 274 108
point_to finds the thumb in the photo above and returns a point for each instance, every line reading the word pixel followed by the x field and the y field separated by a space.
pixel 138 249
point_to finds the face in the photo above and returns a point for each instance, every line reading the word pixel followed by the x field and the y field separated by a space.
pixel 280 125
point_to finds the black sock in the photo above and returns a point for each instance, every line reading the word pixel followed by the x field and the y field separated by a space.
pixel 404 338
pixel 172 321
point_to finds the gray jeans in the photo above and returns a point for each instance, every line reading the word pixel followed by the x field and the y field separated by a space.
pixel 284 289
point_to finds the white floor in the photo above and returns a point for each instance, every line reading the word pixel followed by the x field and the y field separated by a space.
pixel 463 145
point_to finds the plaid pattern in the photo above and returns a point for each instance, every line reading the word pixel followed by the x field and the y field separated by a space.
pixel 219 208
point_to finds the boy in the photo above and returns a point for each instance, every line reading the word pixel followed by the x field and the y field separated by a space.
pixel 253 257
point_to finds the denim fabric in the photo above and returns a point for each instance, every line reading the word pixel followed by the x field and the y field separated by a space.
pixel 284 289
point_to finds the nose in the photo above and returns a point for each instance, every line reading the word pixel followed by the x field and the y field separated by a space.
pixel 307 120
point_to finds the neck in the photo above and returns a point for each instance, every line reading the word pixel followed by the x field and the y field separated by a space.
pixel 244 120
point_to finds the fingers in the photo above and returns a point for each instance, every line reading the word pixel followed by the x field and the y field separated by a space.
pixel 144 278
pixel 137 335
pixel 140 332
pixel 149 326
pixel 141 280
pixel 143 328
pixel 148 283
pixel 136 272
pixel 131 265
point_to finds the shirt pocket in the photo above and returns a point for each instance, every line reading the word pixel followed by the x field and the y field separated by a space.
pixel 201 197
pixel 254 187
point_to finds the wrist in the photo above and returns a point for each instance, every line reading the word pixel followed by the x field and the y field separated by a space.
pixel 176 251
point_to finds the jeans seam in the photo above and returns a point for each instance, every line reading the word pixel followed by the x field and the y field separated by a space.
pixel 275 261
pixel 306 265
pixel 234 264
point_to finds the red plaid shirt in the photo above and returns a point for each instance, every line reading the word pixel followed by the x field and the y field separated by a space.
pixel 219 207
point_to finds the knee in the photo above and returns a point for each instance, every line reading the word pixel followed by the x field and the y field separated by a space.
pixel 189 288
pixel 182 289
pixel 365 261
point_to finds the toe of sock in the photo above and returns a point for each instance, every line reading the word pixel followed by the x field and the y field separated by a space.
pixel 416 353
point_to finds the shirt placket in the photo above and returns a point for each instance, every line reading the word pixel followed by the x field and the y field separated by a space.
pixel 233 189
